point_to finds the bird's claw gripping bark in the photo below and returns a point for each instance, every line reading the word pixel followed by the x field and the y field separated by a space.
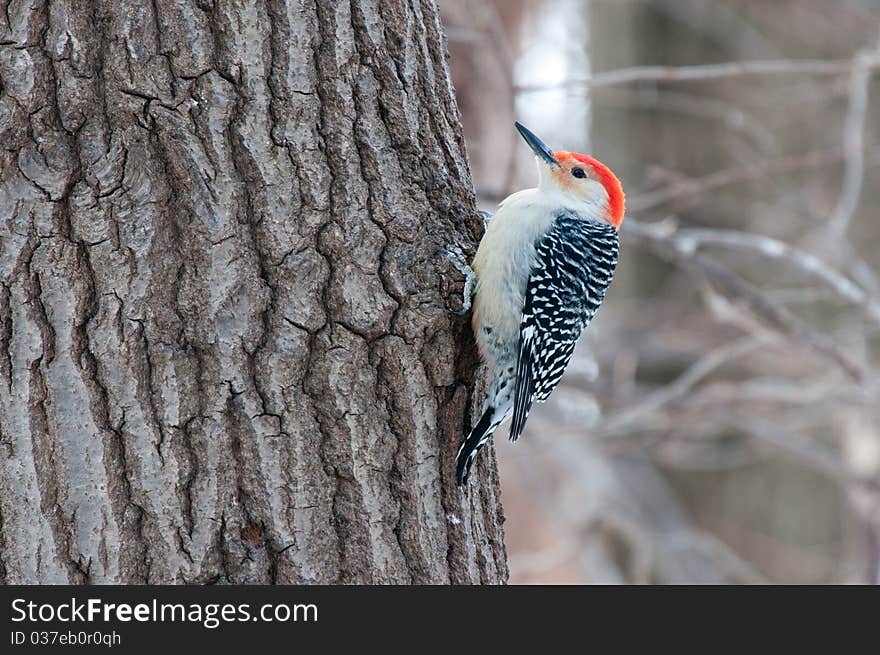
pixel 457 259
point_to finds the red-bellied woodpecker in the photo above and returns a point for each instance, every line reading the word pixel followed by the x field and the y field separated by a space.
pixel 542 269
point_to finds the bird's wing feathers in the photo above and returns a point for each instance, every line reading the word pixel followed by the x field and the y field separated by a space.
pixel 574 264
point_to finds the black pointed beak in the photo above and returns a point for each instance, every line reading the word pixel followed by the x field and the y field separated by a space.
pixel 538 147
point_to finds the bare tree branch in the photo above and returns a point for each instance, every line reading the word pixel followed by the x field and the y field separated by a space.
pixel 628 418
pixel 816 159
pixel 693 239
pixel 701 72
pixel 863 66
pixel 669 247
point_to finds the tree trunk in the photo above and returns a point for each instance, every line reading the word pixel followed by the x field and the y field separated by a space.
pixel 226 353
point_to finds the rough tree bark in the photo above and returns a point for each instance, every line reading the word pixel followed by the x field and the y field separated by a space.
pixel 225 346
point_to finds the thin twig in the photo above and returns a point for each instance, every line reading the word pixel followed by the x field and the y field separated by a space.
pixel 733 175
pixel 670 248
pixel 692 239
pixel 682 385
pixel 854 140
pixel 700 72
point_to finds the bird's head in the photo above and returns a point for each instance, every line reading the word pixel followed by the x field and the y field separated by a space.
pixel 579 178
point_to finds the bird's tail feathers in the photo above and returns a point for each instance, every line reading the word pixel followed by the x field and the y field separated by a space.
pixel 479 435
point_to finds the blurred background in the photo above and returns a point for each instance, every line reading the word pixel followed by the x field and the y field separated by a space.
pixel 721 419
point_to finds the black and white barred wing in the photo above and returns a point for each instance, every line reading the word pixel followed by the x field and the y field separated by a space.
pixel 573 268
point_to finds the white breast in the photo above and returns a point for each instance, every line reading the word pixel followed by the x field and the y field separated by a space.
pixel 503 263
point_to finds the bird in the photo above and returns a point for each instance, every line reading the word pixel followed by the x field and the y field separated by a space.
pixel 540 273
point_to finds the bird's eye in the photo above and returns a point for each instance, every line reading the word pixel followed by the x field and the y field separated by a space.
pixel 578 172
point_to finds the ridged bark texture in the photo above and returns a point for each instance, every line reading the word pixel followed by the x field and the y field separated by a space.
pixel 226 353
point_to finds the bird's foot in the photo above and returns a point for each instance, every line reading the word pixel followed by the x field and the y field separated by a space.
pixel 457 259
